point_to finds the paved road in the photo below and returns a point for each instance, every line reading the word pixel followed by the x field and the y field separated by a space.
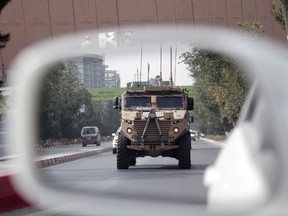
pixel 153 178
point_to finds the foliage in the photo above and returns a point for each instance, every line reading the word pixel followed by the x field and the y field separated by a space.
pixel 220 87
pixel 278 15
pixel 3 3
pixel 4 37
pixel 2 104
pixel 219 90
pixel 281 14
pixel 251 29
pixel 61 97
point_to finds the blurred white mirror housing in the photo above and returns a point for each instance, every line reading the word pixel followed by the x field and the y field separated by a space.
pixel 235 182
pixel 223 189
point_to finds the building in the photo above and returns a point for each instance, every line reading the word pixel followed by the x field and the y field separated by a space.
pixel 93 74
pixel 91 70
pixel 112 79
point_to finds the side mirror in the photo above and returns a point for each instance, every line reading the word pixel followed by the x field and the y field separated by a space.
pixel 190 103
pixel 116 103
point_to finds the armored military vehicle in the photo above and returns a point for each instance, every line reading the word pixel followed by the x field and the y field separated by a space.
pixel 154 122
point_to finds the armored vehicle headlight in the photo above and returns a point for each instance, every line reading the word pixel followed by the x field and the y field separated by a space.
pixel 176 130
pixel 129 130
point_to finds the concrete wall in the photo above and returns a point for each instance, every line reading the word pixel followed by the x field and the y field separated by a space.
pixel 29 21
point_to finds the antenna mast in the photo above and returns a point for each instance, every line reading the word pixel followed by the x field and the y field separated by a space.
pixel 175 63
pixel 141 63
pixel 171 79
pixel 148 65
pixel 160 81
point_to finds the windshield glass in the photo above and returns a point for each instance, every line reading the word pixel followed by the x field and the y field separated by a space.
pixel 166 102
pixel 89 131
pixel 138 102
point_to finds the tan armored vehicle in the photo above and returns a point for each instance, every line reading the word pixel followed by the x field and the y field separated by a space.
pixel 154 122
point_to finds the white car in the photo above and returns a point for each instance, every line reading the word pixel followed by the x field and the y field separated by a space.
pixel 194 135
pixel 115 140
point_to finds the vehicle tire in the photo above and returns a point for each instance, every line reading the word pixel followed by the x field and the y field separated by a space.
pixel 132 161
pixel 184 152
pixel 123 154
pixel 98 143
pixel 84 145
pixel 114 150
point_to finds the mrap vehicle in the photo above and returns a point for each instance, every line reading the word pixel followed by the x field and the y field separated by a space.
pixel 155 122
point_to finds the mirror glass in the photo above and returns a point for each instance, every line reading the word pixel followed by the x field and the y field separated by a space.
pixel 79 129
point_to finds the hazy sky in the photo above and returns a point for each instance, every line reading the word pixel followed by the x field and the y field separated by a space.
pixel 127 65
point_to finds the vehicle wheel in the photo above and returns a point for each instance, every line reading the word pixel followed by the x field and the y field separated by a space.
pixel 184 151
pixel 132 161
pixel 123 155
pixel 114 150
pixel 98 143
pixel 84 145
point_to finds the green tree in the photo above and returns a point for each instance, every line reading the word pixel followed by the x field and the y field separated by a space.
pixel 280 15
pixel 220 86
pixel 4 37
pixel 220 89
pixel 254 29
pixel 61 98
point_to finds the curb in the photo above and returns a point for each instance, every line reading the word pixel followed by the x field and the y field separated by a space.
pixel 217 143
pixel 67 158
pixel 10 200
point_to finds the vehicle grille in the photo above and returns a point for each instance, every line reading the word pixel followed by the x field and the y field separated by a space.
pixel 152 134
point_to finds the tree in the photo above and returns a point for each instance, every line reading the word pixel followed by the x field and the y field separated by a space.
pixel 4 37
pixel 220 86
pixel 220 89
pixel 281 15
pixel 61 98
pixel 278 15
pixel 254 29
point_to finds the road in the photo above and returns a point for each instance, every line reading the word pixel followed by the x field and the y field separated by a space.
pixel 153 178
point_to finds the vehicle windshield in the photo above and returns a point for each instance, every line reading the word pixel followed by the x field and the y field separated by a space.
pixel 169 102
pixel 138 102
pixel 89 131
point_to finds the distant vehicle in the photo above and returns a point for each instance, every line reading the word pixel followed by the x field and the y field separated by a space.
pixel 202 135
pixel 90 135
pixel 115 140
pixel 194 135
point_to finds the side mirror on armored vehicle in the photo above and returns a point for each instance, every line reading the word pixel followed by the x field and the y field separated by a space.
pixel 116 103
pixel 190 103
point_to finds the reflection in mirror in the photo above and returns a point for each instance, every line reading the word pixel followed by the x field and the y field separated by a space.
pixel 154 120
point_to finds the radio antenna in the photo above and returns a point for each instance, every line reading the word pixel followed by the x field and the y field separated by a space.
pixel 160 80
pixel 141 63
pixel 175 63
pixel 171 78
pixel 148 65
